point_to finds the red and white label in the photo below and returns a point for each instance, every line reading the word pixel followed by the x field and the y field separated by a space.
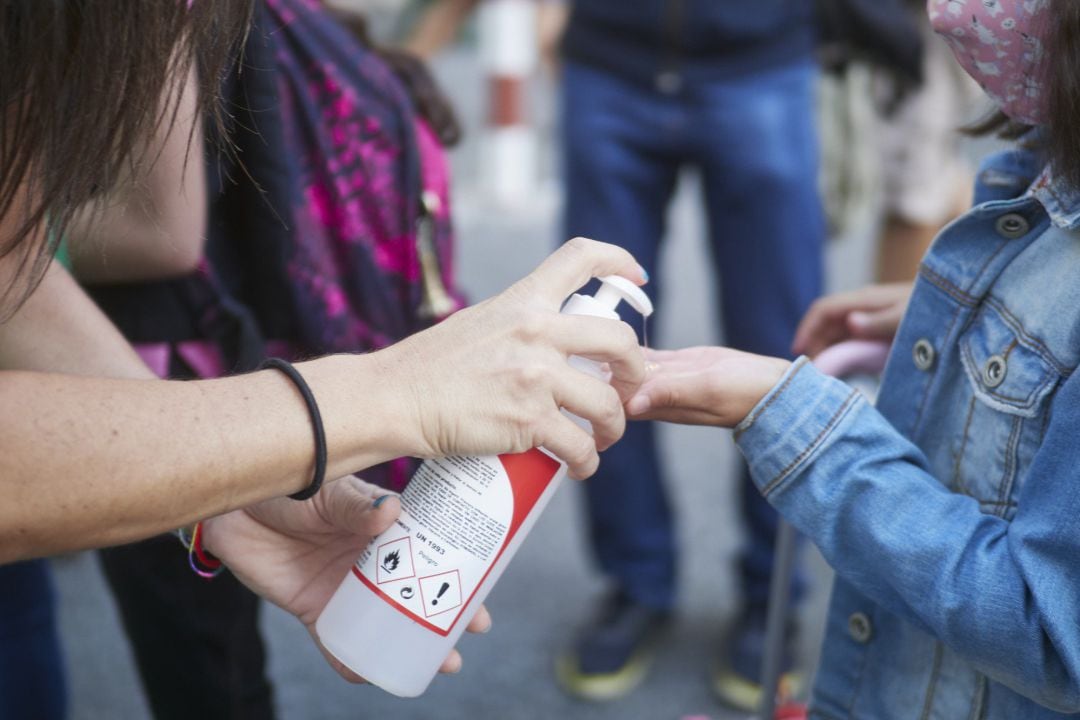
pixel 457 517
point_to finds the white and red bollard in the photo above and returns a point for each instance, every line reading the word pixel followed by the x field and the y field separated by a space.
pixel 509 53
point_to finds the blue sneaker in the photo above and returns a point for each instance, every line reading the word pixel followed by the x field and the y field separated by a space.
pixel 737 678
pixel 613 654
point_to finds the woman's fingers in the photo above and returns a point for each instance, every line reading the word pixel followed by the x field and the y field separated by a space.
pixel 333 661
pixel 571 444
pixel 575 263
pixel 593 400
pixel 612 343
pixel 452 664
pixel 355 506
pixel 481 622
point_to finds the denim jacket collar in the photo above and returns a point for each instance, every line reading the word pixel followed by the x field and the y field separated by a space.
pixel 1062 201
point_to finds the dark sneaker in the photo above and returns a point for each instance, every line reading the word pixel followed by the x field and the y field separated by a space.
pixel 737 678
pixel 612 655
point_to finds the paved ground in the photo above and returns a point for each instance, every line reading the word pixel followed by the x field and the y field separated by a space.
pixel 550 586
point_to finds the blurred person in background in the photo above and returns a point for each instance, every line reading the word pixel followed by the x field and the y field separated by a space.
pixel 442 20
pixel 726 88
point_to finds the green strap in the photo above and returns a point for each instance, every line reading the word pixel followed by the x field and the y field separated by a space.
pixel 62 256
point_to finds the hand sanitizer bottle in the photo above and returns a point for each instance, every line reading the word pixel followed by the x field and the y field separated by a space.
pixel 408 598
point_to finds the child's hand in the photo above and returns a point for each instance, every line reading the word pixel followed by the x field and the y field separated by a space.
pixel 872 313
pixel 703 385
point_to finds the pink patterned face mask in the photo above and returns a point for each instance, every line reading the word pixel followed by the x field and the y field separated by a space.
pixel 999 43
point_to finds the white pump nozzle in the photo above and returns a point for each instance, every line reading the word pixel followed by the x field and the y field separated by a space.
pixel 614 289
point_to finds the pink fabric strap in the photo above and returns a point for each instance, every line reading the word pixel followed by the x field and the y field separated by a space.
pixel 202 357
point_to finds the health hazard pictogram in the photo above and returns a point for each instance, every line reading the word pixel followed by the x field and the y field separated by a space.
pixel 441 593
pixel 394 561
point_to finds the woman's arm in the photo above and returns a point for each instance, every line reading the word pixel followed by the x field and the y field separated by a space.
pixel 152 226
pixel 60 330
pixel 1003 595
pixel 92 461
pixel 291 553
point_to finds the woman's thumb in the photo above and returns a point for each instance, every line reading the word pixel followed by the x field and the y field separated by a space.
pixel 358 507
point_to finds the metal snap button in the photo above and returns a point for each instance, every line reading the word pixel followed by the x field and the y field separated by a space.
pixel 994 371
pixel 924 354
pixel 859 628
pixel 1012 226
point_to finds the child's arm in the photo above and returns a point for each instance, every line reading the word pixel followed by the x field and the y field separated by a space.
pixel 1006 596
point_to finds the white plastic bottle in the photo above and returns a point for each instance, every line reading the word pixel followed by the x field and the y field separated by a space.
pixel 408 598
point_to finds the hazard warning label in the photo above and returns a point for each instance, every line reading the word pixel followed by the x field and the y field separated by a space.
pixel 395 561
pixel 458 516
pixel 441 593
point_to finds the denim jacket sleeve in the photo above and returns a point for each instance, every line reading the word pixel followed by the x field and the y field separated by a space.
pixel 1005 595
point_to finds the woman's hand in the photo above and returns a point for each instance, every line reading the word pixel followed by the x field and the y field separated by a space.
pixel 492 378
pixel 704 385
pixel 871 313
pixel 295 554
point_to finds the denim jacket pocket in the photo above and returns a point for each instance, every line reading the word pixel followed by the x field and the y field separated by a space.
pixel 1005 370
pixel 1008 383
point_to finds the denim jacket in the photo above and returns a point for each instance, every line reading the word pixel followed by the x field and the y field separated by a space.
pixel 951 511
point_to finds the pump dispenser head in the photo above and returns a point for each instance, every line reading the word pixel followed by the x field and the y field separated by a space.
pixel 613 290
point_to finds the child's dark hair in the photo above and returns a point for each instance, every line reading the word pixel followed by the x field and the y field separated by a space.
pixel 1063 88
pixel 1061 77
pixel 80 93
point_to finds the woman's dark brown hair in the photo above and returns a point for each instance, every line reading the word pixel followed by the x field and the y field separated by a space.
pixel 1061 77
pixel 84 83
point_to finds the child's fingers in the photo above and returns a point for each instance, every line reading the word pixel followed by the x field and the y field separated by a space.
pixel 875 324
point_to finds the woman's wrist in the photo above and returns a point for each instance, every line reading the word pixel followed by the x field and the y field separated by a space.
pixel 365 407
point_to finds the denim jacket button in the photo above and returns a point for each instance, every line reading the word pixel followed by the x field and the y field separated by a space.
pixel 924 354
pixel 994 371
pixel 859 628
pixel 1012 226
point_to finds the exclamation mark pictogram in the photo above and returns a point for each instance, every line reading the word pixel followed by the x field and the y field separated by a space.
pixel 442 591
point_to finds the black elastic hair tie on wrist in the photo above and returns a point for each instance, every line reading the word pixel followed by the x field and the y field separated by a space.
pixel 316 423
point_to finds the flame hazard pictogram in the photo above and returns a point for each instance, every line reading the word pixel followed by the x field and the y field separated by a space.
pixel 394 561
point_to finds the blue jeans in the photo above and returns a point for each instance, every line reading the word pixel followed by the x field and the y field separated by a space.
pixel 754 140
pixel 32 685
